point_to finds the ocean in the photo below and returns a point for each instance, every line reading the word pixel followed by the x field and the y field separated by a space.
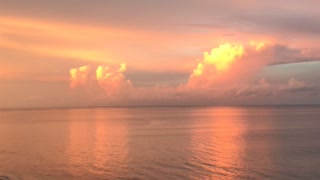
pixel 263 142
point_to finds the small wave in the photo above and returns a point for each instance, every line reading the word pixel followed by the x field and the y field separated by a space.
pixel 4 177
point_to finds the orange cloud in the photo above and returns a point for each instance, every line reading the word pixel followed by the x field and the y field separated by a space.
pixel 113 81
pixel 227 71
pixel 58 30
pixel 258 45
pixel 223 56
pixel 123 67
pixel 79 76
pixel 100 44
pixel 215 63
pixel 107 78
pixel 74 53
pixel 220 58
pixel 58 39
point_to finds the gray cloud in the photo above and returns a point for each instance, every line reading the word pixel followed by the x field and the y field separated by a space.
pixel 144 78
pixel 284 55
pixel 298 24
pixel 266 89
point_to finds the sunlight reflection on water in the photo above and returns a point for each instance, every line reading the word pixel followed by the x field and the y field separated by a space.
pixel 161 143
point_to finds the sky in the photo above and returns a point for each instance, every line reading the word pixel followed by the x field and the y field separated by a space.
pixel 74 53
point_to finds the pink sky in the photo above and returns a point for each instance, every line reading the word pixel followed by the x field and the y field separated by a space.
pixel 178 52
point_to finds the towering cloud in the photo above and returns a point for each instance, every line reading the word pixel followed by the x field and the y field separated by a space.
pixel 215 64
pixel 226 72
pixel 219 58
pixel 79 76
pixel 113 81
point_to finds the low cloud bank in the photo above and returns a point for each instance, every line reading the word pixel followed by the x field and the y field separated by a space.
pixel 227 72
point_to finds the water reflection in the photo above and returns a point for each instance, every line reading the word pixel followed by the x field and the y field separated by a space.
pixel 218 144
pixel 161 143
pixel 258 154
pixel 98 143
pixel 79 143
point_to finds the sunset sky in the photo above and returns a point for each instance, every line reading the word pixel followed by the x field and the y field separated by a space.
pixel 67 53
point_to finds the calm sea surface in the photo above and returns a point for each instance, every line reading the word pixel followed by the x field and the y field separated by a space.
pixel 274 142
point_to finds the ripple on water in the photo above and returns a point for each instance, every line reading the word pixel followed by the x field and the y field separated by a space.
pixel 4 177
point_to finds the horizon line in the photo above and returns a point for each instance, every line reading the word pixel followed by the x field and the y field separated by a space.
pixel 153 106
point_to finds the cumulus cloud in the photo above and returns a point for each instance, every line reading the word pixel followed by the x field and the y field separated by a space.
pixel 258 45
pixel 107 78
pixel 228 63
pixel 227 72
pixel 220 59
pixel 79 76
pixel 237 73
pixel 113 81
pixel 123 67
pixel 296 86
